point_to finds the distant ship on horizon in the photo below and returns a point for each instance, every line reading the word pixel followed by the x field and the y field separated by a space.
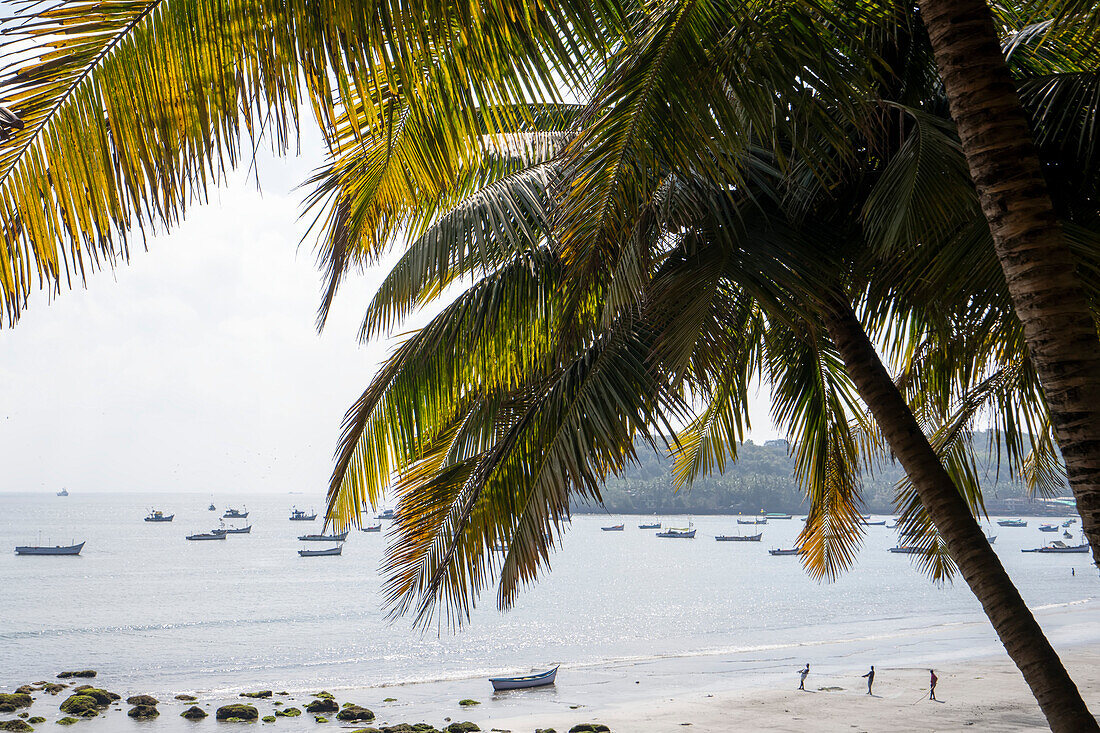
pixel 63 492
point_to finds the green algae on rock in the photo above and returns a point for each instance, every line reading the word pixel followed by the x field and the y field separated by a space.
pixel 143 712
pixel 354 713
pixel 89 673
pixel 16 700
pixel 237 711
pixel 466 727
pixel 291 712
pixel 324 705
pixel 16 725
pixel 259 695
pixel 468 702
pixel 142 700
pixel 194 713
pixel 82 705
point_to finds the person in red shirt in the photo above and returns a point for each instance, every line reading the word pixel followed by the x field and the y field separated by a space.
pixel 932 685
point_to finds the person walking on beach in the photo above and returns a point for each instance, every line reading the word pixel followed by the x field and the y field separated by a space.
pixel 804 672
pixel 870 679
pixel 932 685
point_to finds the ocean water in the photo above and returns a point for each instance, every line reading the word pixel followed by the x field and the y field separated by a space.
pixel 156 613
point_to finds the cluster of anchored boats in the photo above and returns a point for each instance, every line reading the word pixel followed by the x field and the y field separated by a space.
pixel 688 533
pixel 1056 547
pixel 220 533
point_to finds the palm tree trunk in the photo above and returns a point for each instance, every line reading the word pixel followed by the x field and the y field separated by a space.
pixel 1046 292
pixel 1024 641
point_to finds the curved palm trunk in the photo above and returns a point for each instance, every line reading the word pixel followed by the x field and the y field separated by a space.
pixel 1011 618
pixel 1046 292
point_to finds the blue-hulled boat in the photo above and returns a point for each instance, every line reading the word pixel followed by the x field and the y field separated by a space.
pixel 519 683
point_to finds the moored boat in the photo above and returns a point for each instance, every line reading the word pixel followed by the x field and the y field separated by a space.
pixel 613 528
pixel 739 538
pixel 540 679
pixel 788 551
pixel 212 507
pixel 1012 522
pixel 296 515
pixel 866 523
pixel 388 514
pixel 373 527
pixel 776 515
pixel 232 530
pixel 324 537
pixel 63 492
pixel 235 514
pixel 762 520
pixel 675 533
pixel 206 536
pixel 654 525
pixel 321 553
pixel 1048 527
pixel 1059 547
pixel 158 516
pixel 991 538
pixel 1068 522
pixel 906 550
pixel 52 550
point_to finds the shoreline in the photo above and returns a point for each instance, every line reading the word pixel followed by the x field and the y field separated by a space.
pixel 748 689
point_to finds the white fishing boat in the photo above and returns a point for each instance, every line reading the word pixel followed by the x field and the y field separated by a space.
pixel 235 514
pixel 373 527
pixel 232 530
pixel 296 515
pixel 789 551
pixel 322 553
pixel 159 516
pixel 206 536
pixel 677 533
pixel 739 537
pixel 613 528
pixel 49 550
pixel 324 537
pixel 540 679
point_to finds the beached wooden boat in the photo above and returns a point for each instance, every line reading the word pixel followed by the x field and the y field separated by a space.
pixel 655 525
pixel 613 528
pixel 521 683
pixel 159 516
pixel 373 527
pixel 322 553
pixel 233 530
pixel 296 515
pixel 206 536
pixel 739 538
pixel 683 534
pixel 53 550
pixel 324 537
pixel 789 551
pixel 1012 522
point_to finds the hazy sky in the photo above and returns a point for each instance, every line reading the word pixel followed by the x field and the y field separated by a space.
pixel 196 367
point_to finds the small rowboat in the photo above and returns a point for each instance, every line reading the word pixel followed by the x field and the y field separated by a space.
pixel 322 553
pixel 233 530
pixel 655 525
pixel 207 536
pixel 791 551
pixel 519 683
pixel 324 537
pixel 373 528
pixel 613 528
pixel 55 550
pixel 739 538
pixel 683 534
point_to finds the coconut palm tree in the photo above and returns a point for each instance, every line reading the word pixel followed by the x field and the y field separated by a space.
pixel 489 440
pixel 1047 290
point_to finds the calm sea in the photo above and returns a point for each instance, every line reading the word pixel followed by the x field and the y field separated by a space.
pixel 164 615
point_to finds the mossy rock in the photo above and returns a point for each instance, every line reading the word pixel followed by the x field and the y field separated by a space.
pixel 589 728
pixel 36 720
pixel 278 702
pixel 468 702
pixel 324 705
pixel 355 712
pixel 88 673
pixel 16 699
pixel 143 712
pixel 320 718
pixel 268 718
pixel 52 688
pixel 142 700
pixel 238 711
pixel 258 695
pixel 102 697
pixel 27 689
pixel 324 694
pixel 186 698
pixel 466 727
pixel 390 699
pixel 545 730
pixel 16 725
pixel 67 721
pixel 406 728
pixel 194 713
pixel 6 707
pixel 291 712
pixel 366 730
pixel 83 705
pixel 284 692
